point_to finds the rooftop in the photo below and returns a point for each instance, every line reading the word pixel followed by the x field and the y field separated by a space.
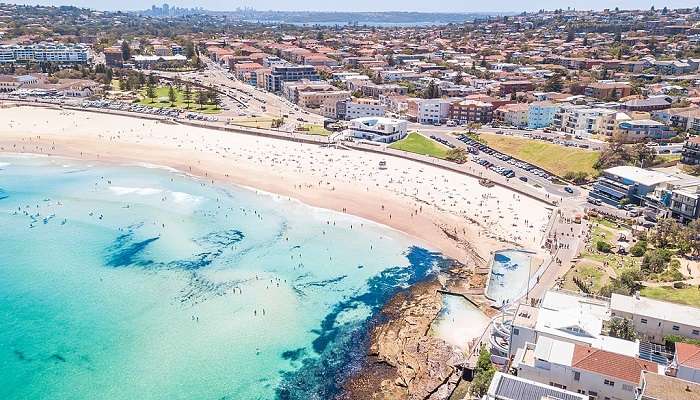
pixel 661 310
pixel 642 176
pixel 688 355
pixel 509 387
pixel 611 364
pixel 662 387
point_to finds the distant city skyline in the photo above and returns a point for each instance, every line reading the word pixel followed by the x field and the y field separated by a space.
pixel 372 5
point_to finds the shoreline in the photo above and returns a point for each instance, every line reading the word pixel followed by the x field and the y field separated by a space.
pixel 430 224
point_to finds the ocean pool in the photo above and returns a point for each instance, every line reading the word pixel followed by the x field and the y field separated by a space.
pixel 510 273
pixel 127 282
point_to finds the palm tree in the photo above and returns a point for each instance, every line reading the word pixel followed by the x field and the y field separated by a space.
pixel 172 96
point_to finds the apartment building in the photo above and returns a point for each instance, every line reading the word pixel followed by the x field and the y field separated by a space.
pixel 600 374
pixel 691 151
pixel 348 109
pixel 288 73
pixel 246 72
pixel 608 90
pixel 378 129
pixel 113 57
pixel 428 111
pixel 464 111
pixel 61 54
pixel 540 114
pixel 642 129
pixel 655 319
pixel 581 120
pixel 513 114
pixel 509 87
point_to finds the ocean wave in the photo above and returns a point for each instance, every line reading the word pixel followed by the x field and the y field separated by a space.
pixel 122 191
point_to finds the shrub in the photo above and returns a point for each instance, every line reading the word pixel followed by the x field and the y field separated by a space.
pixel 639 248
pixel 679 285
pixel 603 246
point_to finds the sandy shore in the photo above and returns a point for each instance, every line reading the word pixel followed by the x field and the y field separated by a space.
pixel 444 210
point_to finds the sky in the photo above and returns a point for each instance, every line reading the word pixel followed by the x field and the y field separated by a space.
pixel 374 5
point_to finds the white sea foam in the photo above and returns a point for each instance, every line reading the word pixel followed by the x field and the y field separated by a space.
pixel 156 166
pixel 4 164
pixel 185 198
pixel 122 191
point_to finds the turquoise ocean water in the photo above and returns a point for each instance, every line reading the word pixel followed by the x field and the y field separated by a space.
pixel 135 282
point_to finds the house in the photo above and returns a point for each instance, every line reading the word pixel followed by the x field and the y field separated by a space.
pixel 608 90
pixel 655 319
pixel 643 129
pixel 509 87
pixel 650 104
pixel 686 362
pixel 509 387
pixel 661 387
pixel 378 129
pixel 600 374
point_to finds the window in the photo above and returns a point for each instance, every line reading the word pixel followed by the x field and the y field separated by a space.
pixel 696 332
pixel 675 327
pixel 644 320
pixel 577 375
pixel 609 383
pixel 592 395
pixel 516 331
pixel 627 388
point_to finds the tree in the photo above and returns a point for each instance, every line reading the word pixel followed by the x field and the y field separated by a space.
pixel 570 35
pixel 603 246
pixel 187 95
pixel 618 37
pixel 172 96
pixel 656 261
pixel 577 177
pixel 151 92
pixel 213 97
pixel 483 373
pixel 639 248
pixel 585 41
pixel 201 98
pixel 693 236
pixel 665 232
pixel 126 50
pixel 459 79
pixel 622 328
pixel 458 155
pixel 189 49
pixel 642 155
pixel 554 84
pixel 431 91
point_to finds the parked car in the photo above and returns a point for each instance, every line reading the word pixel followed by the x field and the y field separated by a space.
pixel 568 190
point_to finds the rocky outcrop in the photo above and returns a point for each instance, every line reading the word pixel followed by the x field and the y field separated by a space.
pixel 403 360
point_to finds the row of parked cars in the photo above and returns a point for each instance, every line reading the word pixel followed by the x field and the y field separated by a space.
pixel 476 147
pixel 443 141
pixel 139 108
pixel 507 172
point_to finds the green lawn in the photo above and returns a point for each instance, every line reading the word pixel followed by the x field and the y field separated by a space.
pixel 593 275
pixel 253 122
pixel 551 157
pixel 315 130
pixel 689 296
pixel 162 101
pixel 417 143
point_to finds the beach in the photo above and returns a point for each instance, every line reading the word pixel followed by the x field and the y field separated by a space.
pixel 448 211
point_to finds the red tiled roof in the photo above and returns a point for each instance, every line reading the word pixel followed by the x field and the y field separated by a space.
pixel 688 355
pixel 611 364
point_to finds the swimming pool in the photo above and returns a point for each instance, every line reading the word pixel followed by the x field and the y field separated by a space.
pixel 510 272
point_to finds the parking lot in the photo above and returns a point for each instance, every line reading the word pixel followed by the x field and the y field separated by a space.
pixel 138 108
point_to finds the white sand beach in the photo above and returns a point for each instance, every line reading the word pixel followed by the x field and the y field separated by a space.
pixel 419 200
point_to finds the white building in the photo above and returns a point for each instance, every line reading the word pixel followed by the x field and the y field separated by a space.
pixel 567 317
pixel 597 373
pixel 378 129
pixel 655 319
pixel 45 52
pixel 359 108
pixel 429 111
